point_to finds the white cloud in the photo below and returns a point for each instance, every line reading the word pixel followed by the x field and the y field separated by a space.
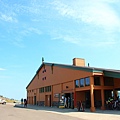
pixel 87 40
pixel 7 18
pixel 109 1
pixel 30 30
pixel 98 14
pixel 2 69
pixel 67 38
pixel 35 30
pixel 93 12
pixel 108 43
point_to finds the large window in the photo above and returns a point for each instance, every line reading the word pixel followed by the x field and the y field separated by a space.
pixel 41 90
pixel 96 80
pixel 76 83
pixel 87 81
pixel 82 84
pixel 48 89
pixel 108 81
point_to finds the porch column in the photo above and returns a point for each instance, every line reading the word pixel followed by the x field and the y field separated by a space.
pixel 103 99
pixel 102 93
pixel 92 109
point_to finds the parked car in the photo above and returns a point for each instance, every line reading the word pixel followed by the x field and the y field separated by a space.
pixel 2 101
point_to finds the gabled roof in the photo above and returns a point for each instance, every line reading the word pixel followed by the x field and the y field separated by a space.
pixel 106 72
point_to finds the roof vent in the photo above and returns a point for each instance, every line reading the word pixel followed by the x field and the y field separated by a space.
pixel 88 65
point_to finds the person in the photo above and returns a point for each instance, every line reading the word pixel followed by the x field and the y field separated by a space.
pixel 65 103
pixel 69 101
pixel 110 100
pixel 109 103
pixel 82 106
pixel 116 101
pixel 21 101
pixel 78 105
pixel 25 103
pixel 118 98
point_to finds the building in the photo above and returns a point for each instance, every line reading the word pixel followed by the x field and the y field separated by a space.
pixel 53 82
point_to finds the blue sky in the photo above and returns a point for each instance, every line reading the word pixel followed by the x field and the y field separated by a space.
pixel 58 30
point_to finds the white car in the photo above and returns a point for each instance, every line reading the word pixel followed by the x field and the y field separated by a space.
pixel 2 101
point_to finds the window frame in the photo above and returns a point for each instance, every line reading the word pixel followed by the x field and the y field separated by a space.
pixel 82 79
pixel 77 86
pixel 96 82
pixel 86 81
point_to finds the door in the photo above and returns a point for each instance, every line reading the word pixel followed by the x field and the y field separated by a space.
pixel 88 99
pixel 34 100
pixel 72 100
pixel 50 101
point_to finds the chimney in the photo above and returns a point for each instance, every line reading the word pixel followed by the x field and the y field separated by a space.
pixel 79 62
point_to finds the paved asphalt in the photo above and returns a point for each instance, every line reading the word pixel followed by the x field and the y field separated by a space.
pixel 9 112
pixel 18 112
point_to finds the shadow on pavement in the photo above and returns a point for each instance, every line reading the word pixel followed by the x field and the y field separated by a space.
pixel 54 109
pixel 66 110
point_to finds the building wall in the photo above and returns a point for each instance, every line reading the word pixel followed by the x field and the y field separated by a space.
pixel 34 84
pixel 61 80
pixel 56 91
pixel 37 95
pixel 97 94
pixel 80 96
pixel 116 83
pixel 60 75
pixel 68 87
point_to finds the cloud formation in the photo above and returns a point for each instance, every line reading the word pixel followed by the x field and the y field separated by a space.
pixel 98 21
pixel 90 19
pixel 7 18
pixel 98 13
pixel 2 69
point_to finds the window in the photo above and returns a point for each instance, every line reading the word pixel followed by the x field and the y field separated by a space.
pixel 87 81
pixel 82 84
pixel 48 89
pixel 108 81
pixel 41 90
pixel 44 78
pixel 76 83
pixel 96 80
pixel 44 70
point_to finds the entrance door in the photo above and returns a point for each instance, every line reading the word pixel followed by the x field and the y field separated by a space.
pixel 70 102
pixel 34 100
pixel 46 100
pixel 50 101
pixel 88 99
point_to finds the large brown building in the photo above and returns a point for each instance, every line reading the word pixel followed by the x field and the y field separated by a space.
pixel 53 82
